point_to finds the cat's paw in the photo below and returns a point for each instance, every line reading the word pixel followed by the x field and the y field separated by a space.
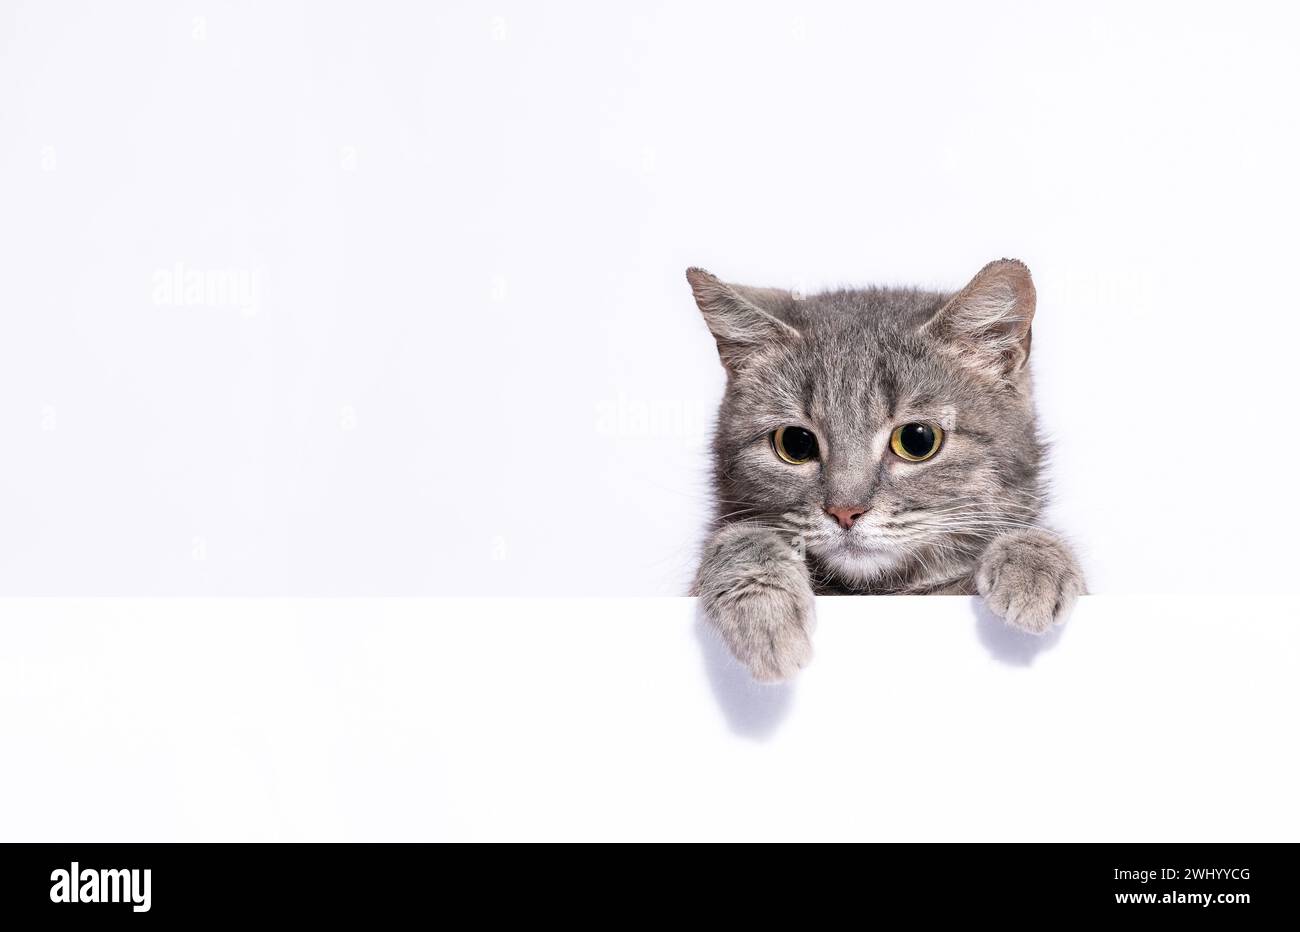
pixel 756 593
pixel 769 630
pixel 1030 579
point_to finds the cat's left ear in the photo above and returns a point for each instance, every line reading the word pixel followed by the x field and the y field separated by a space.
pixel 986 325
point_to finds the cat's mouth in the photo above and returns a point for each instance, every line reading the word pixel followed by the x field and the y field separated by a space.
pixel 862 538
pixel 855 545
pixel 858 544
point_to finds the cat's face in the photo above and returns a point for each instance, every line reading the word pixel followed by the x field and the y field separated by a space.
pixel 882 429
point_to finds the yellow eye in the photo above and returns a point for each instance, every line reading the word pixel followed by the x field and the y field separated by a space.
pixel 794 445
pixel 916 442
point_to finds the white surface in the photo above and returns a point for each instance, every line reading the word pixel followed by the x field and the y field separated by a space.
pixel 1147 719
pixel 472 365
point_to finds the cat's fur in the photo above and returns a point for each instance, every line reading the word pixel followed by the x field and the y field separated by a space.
pixel 850 366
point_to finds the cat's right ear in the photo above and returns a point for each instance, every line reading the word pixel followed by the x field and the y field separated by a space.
pixel 738 325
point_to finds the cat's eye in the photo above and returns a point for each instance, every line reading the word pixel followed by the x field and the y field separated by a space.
pixel 795 445
pixel 916 442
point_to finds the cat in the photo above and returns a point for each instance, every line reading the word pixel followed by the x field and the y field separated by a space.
pixel 874 441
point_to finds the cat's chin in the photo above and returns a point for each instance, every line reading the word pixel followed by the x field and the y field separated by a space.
pixel 861 563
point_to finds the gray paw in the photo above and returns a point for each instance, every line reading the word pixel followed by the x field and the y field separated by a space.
pixel 1029 578
pixel 769 630
pixel 755 590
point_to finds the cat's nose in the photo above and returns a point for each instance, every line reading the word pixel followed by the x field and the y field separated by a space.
pixel 846 514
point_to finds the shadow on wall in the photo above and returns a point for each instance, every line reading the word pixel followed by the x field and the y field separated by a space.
pixel 1007 644
pixel 756 710
pixel 753 710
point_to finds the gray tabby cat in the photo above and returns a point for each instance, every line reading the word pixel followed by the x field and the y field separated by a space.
pixel 875 441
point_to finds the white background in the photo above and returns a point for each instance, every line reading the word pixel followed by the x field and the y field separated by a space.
pixel 473 365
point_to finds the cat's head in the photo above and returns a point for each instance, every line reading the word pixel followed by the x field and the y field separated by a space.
pixel 890 431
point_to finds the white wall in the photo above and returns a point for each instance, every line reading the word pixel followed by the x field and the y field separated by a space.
pixel 467 225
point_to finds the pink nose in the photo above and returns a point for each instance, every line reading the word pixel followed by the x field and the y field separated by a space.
pixel 847 514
